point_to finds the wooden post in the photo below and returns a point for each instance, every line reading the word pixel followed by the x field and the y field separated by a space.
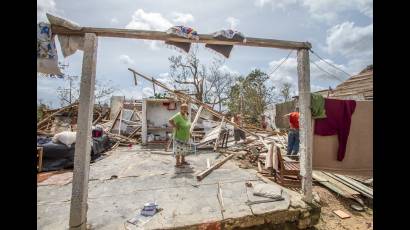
pixel 198 113
pixel 219 133
pixel 120 124
pixel 79 195
pixel 305 120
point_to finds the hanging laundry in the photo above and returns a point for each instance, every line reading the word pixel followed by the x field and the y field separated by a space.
pixel 47 58
pixel 184 46
pixel 230 34
pixel 225 50
pixel 69 44
pixel 317 106
pixel 182 31
pixel 339 116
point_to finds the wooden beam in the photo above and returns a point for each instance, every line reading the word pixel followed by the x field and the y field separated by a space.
pixel 115 120
pixel 305 120
pixel 163 36
pixel 53 114
pixel 119 126
pixel 79 194
pixel 219 133
pixel 198 113
pixel 203 174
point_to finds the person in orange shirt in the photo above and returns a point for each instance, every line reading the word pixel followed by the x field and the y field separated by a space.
pixel 293 136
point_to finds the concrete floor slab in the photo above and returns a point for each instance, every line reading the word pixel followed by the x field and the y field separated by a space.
pixel 123 182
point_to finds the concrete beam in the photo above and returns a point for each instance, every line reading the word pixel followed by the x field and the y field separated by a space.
pixel 79 195
pixel 163 36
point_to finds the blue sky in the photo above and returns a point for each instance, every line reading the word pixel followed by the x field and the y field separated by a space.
pixel 340 31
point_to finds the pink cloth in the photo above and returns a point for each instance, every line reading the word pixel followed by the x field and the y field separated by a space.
pixel 339 116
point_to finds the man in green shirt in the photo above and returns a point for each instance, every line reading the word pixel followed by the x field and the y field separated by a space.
pixel 181 124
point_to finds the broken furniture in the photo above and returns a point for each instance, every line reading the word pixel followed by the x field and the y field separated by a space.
pixel 39 159
pixel 288 173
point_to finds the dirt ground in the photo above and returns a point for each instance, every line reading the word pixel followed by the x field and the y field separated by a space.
pixel 329 220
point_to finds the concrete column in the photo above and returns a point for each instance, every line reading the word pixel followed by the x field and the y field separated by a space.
pixel 79 195
pixel 305 121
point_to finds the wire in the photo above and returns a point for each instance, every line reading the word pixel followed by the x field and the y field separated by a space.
pixel 277 67
pixel 348 74
pixel 330 74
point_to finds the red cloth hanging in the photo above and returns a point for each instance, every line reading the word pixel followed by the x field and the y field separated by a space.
pixel 339 116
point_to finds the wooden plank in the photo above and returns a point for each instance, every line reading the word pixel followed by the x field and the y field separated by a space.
pixel 198 113
pixel 203 174
pixel 218 134
pixel 363 189
pixel 119 126
pixel 259 167
pixel 79 194
pixel 305 120
pixel 220 197
pixel 334 185
pixel 57 112
pixel 341 214
pixel 163 36
pixel 115 120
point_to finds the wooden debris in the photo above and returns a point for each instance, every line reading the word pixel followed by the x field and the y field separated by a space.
pixel 357 186
pixel 220 197
pixel 203 174
pixel 341 214
pixel 334 185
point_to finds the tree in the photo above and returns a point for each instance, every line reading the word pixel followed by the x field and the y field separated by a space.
pixel 218 84
pixel 188 73
pixel 285 92
pixel 103 89
pixel 208 83
pixel 250 95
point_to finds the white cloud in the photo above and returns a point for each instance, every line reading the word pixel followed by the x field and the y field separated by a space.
pixel 275 4
pixel 163 75
pixel 148 21
pixel 129 93
pixel 233 22
pixel 328 10
pixel 147 92
pixel 226 69
pixel 142 20
pixel 43 7
pixel 324 10
pixel 182 18
pixel 165 78
pixel 315 88
pixel 287 72
pixel 355 43
pixel 350 40
pixel 114 21
pixel 125 59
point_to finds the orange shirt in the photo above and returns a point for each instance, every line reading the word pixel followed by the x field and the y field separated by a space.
pixel 294 120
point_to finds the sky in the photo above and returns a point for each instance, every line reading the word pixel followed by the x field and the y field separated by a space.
pixel 340 31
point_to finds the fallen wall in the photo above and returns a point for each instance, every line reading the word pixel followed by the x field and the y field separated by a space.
pixel 359 151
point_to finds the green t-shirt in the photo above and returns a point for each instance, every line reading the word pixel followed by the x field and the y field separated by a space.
pixel 182 131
